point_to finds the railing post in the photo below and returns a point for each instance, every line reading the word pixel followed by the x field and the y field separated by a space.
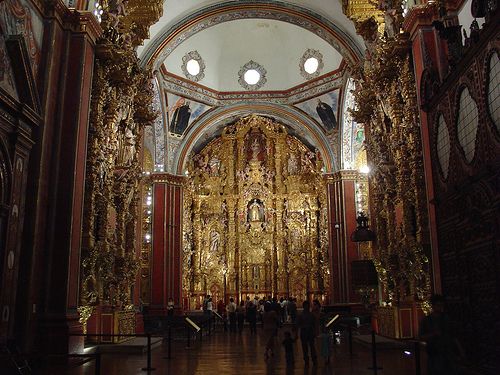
pixel 169 341
pixel 149 368
pixel 417 358
pixel 350 338
pixel 188 337
pixel 97 370
pixel 375 368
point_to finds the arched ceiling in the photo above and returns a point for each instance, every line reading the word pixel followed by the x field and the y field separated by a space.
pixel 277 46
pixel 228 34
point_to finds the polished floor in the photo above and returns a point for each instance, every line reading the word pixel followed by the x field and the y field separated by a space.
pixel 228 354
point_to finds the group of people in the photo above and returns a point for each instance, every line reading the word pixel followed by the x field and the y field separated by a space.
pixel 273 314
pixel 435 332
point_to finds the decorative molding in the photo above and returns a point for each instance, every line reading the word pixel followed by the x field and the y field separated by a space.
pixel 170 38
pixel 307 55
pixel 182 87
pixel 252 65
pixel 193 55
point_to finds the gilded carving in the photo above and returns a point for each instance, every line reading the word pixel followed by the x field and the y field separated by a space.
pixel 386 98
pixel 255 215
pixel 121 107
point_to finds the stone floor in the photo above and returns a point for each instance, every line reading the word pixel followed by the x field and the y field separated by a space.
pixel 229 354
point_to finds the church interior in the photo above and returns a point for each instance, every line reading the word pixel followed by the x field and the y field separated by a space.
pixel 340 151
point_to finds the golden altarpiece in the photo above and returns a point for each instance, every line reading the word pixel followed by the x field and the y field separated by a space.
pixel 255 216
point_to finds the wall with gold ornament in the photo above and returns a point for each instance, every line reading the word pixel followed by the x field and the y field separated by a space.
pixel 255 216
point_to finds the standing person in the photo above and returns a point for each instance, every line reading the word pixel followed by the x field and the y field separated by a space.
pixel 292 310
pixel 316 311
pixel 252 316
pixel 221 309
pixel 288 345
pixel 231 312
pixel 270 322
pixel 326 345
pixel 306 322
pixel 240 315
pixel 442 348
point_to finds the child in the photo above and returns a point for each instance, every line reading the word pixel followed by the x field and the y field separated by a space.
pixel 325 342
pixel 288 344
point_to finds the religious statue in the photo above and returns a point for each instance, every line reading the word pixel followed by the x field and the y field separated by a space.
pixel 254 211
pixel 118 9
pixel 128 146
pixel 293 165
pixel 255 149
pixel 214 241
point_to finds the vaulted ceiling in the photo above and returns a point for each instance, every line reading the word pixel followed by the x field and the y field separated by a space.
pixel 228 34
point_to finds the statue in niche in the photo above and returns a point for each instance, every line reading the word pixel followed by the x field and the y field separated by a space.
pixel 214 241
pixel 255 211
pixel 293 165
pixel 214 166
pixel 255 149
pixel 128 146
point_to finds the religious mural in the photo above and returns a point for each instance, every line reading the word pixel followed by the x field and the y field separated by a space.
pixel 6 74
pixel 324 109
pixel 182 112
pixel 18 17
pixel 255 216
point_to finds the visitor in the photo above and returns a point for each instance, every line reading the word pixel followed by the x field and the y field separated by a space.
pixel 292 309
pixel 306 323
pixel 240 316
pixel 288 345
pixel 316 311
pixel 251 313
pixel 270 321
pixel 231 312
pixel 326 345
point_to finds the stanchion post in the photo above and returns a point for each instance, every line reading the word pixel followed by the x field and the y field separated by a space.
pixel 97 370
pixel 350 338
pixel 375 368
pixel 189 337
pixel 210 325
pixel 149 368
pixel 417 358
pixel 169 341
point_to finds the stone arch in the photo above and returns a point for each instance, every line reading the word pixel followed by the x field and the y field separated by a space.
pixel 289 116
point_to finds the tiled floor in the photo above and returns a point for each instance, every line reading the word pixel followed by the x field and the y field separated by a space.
pixel 230 354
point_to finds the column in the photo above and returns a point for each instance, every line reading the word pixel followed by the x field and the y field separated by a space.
pixel 166 264
pixel 341 192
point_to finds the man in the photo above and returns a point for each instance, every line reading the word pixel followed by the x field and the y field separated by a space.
pixel 306 323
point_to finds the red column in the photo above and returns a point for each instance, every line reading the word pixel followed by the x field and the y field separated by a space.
pixel 429 53
pixel 342 222
pixel 59 178
pixel 166 260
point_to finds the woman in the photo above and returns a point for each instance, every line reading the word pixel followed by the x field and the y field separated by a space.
pixel 240 315
pixel 270 321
